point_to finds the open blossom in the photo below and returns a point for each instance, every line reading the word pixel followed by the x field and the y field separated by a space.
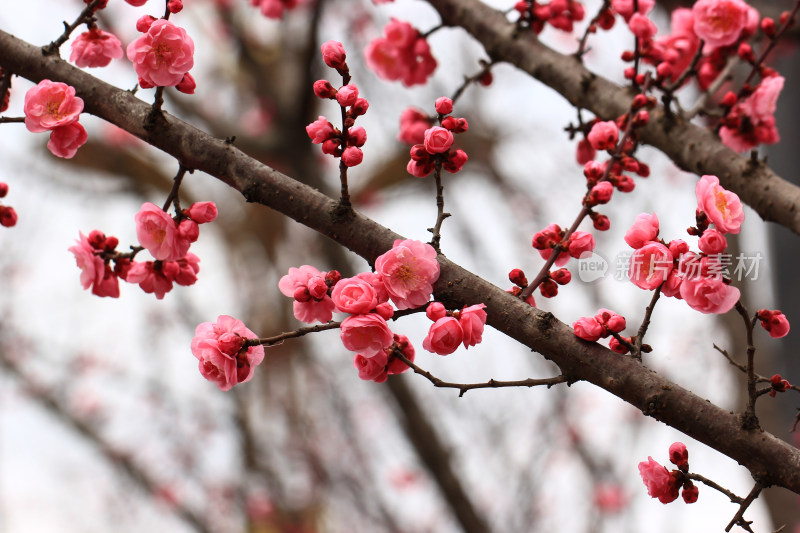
pixel 643 230
pixel 95 48
pixel 372 368
pixel 444 336
pixel 650 265
pixel 157 232
pixel 219 347
pixel 709 294
pixel 722 207
pixel 413 124
pixel 163 55
pixel 588 329
pixel 719 22
pixel 472 319
pixel 401 54
pixel 320 130
pixel 354 296
pixel 49 105
pixel 659 481
pixel 408 271
pixel 580 242
pixel 366 334
pixel 642 27
pixel 65 140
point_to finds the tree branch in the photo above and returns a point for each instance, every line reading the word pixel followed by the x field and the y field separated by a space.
pixel 770 460
pixel 690 147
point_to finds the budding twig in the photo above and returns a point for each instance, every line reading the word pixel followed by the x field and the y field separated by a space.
pixel 85 16
pixel 738 518
pixel 750 419
pixel 299 332
pixel 441 215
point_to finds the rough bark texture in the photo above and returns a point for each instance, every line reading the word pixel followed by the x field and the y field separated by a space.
pixel 690 147
pixel 770 460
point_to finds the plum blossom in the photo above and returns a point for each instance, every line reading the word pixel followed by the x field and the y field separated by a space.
pixel 438 140
pixel 587 329
pixel 722 207
pixel 659 481
pixel 408 271
pixel 95 48
pixel 309 288
pixel 679 455
pixel 49 105
pixel 333 54
pixel 274 8
pixel 65 140
pixel 712 242
pixel 603 135
pixel 472 319
pixel 380 366
pixel 719 22
pixel 643 230
pixel 752 122
pixel 158 233
pixel 650 265
pixel 401 54
pixel 413 124
pixel 95 273
pixel 709 294
pixel 774 322
pixel 366 334
pixel 354 296
pixel 223 357
pixel 444 336
pixel 163 55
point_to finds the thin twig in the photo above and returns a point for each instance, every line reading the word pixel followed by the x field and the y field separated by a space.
pixel 750 420
pixel 733 497
pixel 299 332
pixel 724 76
pixel 738 518
pixel 582 43
pixel 173 196
pixel 646 323
pixel 8 120
pixel 469 80
pixel 492 383
pixel 772 43
pixel 85 16
pixel 440 214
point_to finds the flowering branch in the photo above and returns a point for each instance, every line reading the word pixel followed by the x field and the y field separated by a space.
pixel 773 41
pixel 697 477
pixel 692 148
pixel 492 383
pixel 772 460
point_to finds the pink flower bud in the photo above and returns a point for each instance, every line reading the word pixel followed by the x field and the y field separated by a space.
pixel 690 492
pixel 712 242
pixel 580 242
pixel 444 336
pixel 385 310
pixel 455 161
pixel 587 329
pixel 301 294
pixel 775 322
pixel 585 152
pixel 643 230
pixel 320 130
pixel 660 483
pixel 187 85
pixel 435 311
pixel 188 230
pixel 679 455
pixel 333 54
pixel 359 107
pixel 356 136
pixel 203 212
pixel 352 156
pixel 144 23
pixel 175 6
pixel 324 89
pixel 444 105
pixel 3 189
pixel 8 216
pixel 230 343
pixel 601 193
pixel 347 95
pixel 604 135
pixel 317 287
pixel 438 140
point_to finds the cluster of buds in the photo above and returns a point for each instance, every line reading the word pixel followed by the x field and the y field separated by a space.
pixel 774 322
pixel 347 142
pixel 560 14
pixel 452 328
pixel 552 238
pixel 437 143
pixel 605 323
pixel 8 216
pixel 666 485
pixel 517 277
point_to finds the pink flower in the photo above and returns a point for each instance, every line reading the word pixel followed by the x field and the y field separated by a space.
pixel 601 193
pixel 220 349
pixel 333 54
pixel 679 455
pixel 472 320
pixel 274 8
pixel 444 105
pixel 408 271
pixel 709 294
pixel 347 95
pixel 587 329
pixel 455 161
pixel 719 22
pixel 604 135
pixel 157 232
pixel 722 207
pixel 163 55
pixel 372 368
pixel 354 296
pixel 356 136
pixel 642 27
pixel 401 54
pixel 752 121
pixel 413 124
pixel 189 266
pixel 308 287
pixel 203 212
pixel 659 482
pixel 377 283
pixel 396 366
pixel 680 46
pixel 95 48
pixel 65 140
pixel 611 320
pixel 137 3
pixel 643 230
pixel 367 334
pixel 580 242
pixel 49 105
pixel 650 265
pixel 625 7
pixel 585 152
pixel 444 336
pixel 95 273
pixel 712 242
pixel 320 130
pixel 775 322
pixel 438 140
pixel 352 156
pixel 153 279
pixel 761 105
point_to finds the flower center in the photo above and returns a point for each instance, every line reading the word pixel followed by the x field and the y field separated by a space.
pixel 721 203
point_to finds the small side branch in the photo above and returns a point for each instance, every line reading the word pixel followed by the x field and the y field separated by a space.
pixel 85 16
pixel 299 332
pixel 492 383
pixel 440 214
pixel 738 518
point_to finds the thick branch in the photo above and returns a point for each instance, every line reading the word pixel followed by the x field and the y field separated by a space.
pixel 770 460
pixel 691 147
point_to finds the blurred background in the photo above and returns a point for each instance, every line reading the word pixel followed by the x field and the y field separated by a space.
pixel 106 424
